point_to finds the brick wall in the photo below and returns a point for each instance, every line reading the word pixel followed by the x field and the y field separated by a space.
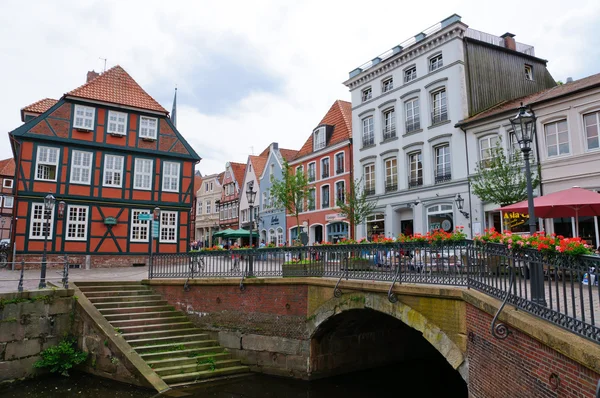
pixel 33 261
pixel 520 366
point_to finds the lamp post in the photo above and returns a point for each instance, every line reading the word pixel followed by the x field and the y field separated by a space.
pixel 523 125
pixel 49 201
pixel 251 196
pixel 460 204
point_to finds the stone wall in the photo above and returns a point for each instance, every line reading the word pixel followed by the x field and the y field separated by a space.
pixel 30 322
pixel 520 366
pixel 33 261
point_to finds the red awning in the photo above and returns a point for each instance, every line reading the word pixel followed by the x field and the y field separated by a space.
pixel 573 202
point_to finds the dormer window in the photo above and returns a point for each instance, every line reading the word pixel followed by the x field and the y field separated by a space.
pixel 528 72
pixel 387 84
pixel 367 94
pixel 319 139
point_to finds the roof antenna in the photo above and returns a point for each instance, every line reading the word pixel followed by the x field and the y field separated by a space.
pixel 104 59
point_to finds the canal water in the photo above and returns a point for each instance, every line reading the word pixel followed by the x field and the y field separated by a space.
pixel 415 379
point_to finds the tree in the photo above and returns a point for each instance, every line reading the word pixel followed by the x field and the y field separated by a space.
pixel 356 208
pixel 290 192
pixel 501 179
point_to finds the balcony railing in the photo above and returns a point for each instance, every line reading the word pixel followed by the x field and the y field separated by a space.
pixel 325 174
pixel 439 115
pixel 339 170
pixel 369 191
pixel 415 182
pixel 391 187
pixel 325 204
pixel 368 141
pixel 412 125
pixel 389 132
pixel 443 177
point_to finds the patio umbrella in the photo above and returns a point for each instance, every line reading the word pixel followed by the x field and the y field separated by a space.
pixel 222 233
pixel 572 202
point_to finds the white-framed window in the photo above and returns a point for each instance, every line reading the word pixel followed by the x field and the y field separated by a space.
pixel 340 191
pixel 319 139
pixel 591 124
pixel 168 226
pixel 279 236
pixel 84 117
pixel 440 217
pixel 265 204
pixel 436 62
pixel 325 167
pixel 81 167
pixel 7 183
pixel 113 171
pixel 140 229
pixel 438 104
pixel 272 237
pixel 9 202
pixel 206 187
pixel 442 163
pixel 148 127
pixel 77 222
pixel 37 226
pixel 410 74
pixel 170 177
pixel 413 120
pixel 391 175
pixel 367 94
pixel 368 136
pixel 415 169
pixel 142 178
pixel 340 166
pixel 557 138
pixel 208 204
pixel 211 186
pixel 271 170
pixel 486 150
pixel 47 163
pixel 389 124
pixel 325 197
pixel 299 169
pixel 369 177
pixel 387 84
pixel 312 171
pixel 200 207
pixel 528 72
pixel 117 123
pixel 312 199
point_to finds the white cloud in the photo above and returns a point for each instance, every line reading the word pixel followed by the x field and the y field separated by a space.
pixel 307 47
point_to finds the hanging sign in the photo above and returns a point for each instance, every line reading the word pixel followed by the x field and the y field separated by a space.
pixel 155 226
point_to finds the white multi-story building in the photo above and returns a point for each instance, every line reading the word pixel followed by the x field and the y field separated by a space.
pixel 405 104
pixel 254 169
pixel 207 209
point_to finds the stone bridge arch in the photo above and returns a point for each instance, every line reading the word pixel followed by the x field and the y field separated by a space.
pixel 410 317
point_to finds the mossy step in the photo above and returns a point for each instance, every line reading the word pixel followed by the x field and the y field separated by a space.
pixel 189 360
pixel 205 374
pixel 114 293
pixel 155 327
pixel 136 297
pixel 184 345
pixel 123 304
pixel 169 339
pixel 161 333
pixel 149 321
pixel 197 367
pixel 134 310
pixel 143 315
pixel 211 346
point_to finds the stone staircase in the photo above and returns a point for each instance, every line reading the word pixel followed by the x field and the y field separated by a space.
pixel 177 351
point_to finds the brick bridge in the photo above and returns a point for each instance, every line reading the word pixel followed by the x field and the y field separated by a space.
pixel 299 328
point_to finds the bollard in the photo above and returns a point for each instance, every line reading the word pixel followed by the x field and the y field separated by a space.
pixel 20 289
pixel 65 279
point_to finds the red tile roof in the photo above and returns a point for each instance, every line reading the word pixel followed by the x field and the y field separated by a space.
pixel 258 162
pixel 265 151
pixel 7 167
pixel 339 116
pixel 220 177
pixel 197 183
pixel 40 106
pixel 541 96
pixel 117 87
pixel 288 154
pixel 238 169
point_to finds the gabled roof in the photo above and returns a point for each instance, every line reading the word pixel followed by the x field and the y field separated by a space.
pixel 7 167
pixel 220 177
pixel 265 151
pixel 340 117
pixel 197 183
pixel 238 170
pixel 540 96
pixel 40 106
pixel 259 162
pixel 288 154
pixel 115 86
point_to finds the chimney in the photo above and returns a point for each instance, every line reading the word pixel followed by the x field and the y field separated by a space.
pixel 91 75
pixel 509 41
pixel 274 145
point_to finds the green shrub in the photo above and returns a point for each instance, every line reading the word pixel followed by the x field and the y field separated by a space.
pixel 62 357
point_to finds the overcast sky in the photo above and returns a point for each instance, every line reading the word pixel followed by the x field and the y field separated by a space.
pixel 252 72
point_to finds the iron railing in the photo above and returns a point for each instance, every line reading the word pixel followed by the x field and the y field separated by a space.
pixel 415 182
pixel 443 177
pixel 439 115
pixel 391 187
pixel 389 132
pixel 571 294
pixel 412 124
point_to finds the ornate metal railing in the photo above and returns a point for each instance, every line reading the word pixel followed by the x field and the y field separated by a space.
pixel 570 297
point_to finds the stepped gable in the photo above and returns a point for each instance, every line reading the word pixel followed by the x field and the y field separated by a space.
pixel 116 86
pixel 339 116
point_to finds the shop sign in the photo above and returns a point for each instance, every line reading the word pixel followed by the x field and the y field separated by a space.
pixel 274 220
pixel 514 219
pixel 334 217
pixel 110 221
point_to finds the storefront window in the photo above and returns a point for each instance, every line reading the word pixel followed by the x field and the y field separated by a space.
pixel 440 217
pixel 336 231
pixel 375 225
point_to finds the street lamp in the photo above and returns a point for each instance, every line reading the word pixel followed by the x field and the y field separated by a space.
pixel 49 201
pixel 460 204
pixel 251 196
pixel 523 125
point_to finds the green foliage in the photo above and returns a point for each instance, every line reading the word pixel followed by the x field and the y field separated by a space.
pixel 357 206
pixel 502 179
pixel 210 361
pixel 48 299
pixel 61 358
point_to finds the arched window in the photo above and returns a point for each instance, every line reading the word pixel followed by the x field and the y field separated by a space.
pixel 272 237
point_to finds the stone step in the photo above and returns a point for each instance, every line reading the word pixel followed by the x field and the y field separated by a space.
pixel 160 333
pixel 214 381
pixel 212 346
pixel 188 360
pixel 115 293
pixel 167 340
pixel 143 315
pixel 156 327
pixel 205 374
pixel 119 287
pixel 123 304
pixel 177 346
pixel 149 321
pixel 199 366
pixel 137 297
pixel 134 310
